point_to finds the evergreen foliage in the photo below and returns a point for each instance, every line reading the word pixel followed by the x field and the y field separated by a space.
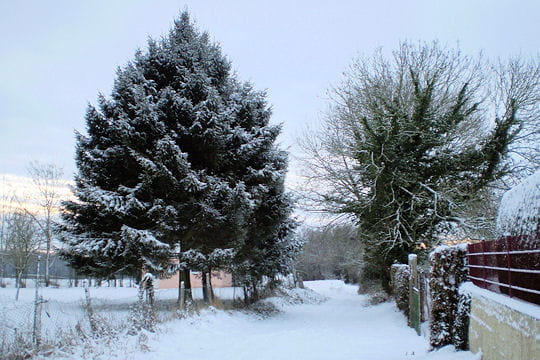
pixel 181 157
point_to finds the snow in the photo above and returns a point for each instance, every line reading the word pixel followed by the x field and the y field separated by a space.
pixel 327 321
pixel 62 307
pixel 341 328
pixel 144 237
pixel 519 211
pixel 101 294
pixel 441 249
pixel 334 322
pixel 524 307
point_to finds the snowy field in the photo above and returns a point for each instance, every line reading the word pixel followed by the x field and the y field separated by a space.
pixel 342 327
pixel 63 308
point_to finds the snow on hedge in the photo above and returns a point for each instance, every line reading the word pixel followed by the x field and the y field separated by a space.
pixel 400 274
pixel 449 311
pixel 519 212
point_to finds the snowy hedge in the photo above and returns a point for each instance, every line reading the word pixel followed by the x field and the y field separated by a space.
pixel 519 211
pixel 449 321
pixel 400 274
pixel 461 324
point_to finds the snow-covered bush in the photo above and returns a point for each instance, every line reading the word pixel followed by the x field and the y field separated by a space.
pixel 400 274
pixel 263 309
pixel 143 315
pixel 96 322
pixel 461 327
pixel 18 347
pixel 448 271
pixel 519 212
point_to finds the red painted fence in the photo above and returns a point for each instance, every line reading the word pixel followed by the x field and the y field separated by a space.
pixel 509 265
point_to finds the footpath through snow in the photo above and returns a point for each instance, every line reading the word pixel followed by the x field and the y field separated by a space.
pixel 341 328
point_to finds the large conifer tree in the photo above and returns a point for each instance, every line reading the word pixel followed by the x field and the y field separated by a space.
pixel 176 159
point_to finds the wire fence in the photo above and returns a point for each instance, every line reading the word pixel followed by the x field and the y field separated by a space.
pixel 509 265
pixel 27 325
pixel 33 317
pixel 60 317
pixel 16 319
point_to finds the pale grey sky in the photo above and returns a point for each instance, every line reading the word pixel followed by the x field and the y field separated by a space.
pixel 55 56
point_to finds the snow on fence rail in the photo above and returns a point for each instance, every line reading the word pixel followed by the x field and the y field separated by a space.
pixel 509 265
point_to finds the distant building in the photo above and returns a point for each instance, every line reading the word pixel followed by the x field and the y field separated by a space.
pixel 219 279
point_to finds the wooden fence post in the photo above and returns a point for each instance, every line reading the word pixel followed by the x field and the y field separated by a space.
pixel 414 294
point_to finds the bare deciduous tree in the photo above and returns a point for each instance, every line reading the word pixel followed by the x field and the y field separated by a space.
pixel 518 80
pixel 7 201
pixel 48 180
pixel 21 243
pixel 330 252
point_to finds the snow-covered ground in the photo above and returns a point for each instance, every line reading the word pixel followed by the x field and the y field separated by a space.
pixel 341 327
pixel 63 308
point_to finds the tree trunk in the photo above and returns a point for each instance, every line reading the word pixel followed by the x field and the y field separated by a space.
pixel 187 285
pixel 204 280
pixel 245 290
pixel 18 284
pixel 2 262
pixel 47 254
pixel 210 287
pixel 299 282
pixel 255 292
pixel 150 295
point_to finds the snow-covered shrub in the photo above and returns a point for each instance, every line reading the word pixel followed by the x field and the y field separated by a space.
pixel 143 315
pixel 378 298
pixel 448 271
pixel 264 309
pixel 519 211
pixel 461 325
pixel 96 322
pixel 297 296
pixel 283 297
pixel 15 348
pixel 400 274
